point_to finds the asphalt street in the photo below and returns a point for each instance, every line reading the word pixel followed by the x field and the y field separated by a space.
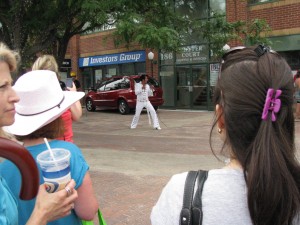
pixel 129 167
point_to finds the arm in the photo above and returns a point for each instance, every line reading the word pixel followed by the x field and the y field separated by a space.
pixel 138 88
pixel 150 90
pixel 86 206
pixel 52 206
pixel 76 109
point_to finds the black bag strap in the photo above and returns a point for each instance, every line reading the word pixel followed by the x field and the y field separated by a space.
pixel 197 203
pixel 191 213
pixel 185 215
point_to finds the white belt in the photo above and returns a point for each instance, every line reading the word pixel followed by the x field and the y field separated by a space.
pixel 142 101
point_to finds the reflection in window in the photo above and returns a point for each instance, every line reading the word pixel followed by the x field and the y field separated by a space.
pixel 168 84
pixel 127 69
pixel 258 1
pixel 218 6
pixel 198 11
pixel 140 67
pixel 115 84
pixel 192 9
pixel 124 83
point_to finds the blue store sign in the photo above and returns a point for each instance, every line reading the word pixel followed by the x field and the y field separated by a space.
pixel 120 58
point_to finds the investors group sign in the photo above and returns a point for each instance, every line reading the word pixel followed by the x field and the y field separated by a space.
pixel 119 58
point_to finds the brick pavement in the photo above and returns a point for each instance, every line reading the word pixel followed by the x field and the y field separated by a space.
pixel 129 168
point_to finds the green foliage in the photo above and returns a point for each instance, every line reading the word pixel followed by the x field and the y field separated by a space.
pixel 217 32
pixel 149 23
pixel 34 26
pixel 256 32
pixel 147 35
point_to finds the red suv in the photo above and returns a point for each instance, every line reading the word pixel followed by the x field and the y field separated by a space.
pixel 118 93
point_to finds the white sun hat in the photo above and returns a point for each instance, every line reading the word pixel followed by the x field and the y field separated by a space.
pixel 41 101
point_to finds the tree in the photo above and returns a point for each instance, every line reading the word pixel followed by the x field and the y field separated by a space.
pixel 184 25
pixel 151 24
pixel 217 32
pixel 33 26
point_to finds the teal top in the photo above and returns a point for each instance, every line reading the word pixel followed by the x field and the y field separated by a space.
pixel 79 168
pixel 8 205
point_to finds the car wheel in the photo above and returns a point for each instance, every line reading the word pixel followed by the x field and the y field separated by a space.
pixel 90 105
pixel 123 107
pixel 155 108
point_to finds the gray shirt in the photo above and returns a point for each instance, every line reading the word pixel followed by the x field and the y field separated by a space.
pixel 224 199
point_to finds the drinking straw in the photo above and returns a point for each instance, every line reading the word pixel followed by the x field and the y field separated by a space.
pixel 50 150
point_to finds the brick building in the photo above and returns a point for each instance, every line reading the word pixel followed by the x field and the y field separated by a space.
pixel 188 77
pixel 283 17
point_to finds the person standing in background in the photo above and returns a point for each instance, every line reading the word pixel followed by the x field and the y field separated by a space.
pixel 48 62
pixel 297 93
pixel 77 83
pixel 142 91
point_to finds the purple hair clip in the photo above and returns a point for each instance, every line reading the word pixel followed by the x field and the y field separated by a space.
pixel 271 104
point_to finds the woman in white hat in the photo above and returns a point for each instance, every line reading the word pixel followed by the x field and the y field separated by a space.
pixel 48 62
pixel 47 206
pixel 42 101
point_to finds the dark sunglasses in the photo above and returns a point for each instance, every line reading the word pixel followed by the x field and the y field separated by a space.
pixel 259 50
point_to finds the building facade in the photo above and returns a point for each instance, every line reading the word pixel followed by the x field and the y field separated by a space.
pixel 189 76
pixel 283 17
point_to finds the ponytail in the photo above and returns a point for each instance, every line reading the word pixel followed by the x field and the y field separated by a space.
pixel 273 191
pixel 262 139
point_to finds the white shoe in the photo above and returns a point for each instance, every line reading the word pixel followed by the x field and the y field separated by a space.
pixel 157 128
pixel 132 127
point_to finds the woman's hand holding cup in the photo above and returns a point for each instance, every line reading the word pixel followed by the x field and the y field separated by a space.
pixel 52 206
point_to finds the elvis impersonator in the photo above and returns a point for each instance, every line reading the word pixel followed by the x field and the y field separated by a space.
pixel 142 91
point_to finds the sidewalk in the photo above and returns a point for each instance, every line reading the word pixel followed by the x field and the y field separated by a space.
pixel 129 167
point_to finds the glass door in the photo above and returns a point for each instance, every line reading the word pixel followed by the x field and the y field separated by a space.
pixel 199 89
pixel 192 87
pixel 184 87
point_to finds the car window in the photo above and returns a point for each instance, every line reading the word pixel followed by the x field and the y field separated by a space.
pixel 124 83
pixel 113 85
pixel 153 82
pixel 102 85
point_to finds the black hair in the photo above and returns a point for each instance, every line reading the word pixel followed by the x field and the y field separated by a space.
pixel 143 77
pixel 265 148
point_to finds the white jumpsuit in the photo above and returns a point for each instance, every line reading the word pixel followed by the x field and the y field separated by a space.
pixel 142 101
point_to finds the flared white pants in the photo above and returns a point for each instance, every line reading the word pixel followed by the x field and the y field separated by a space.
pixel 139 107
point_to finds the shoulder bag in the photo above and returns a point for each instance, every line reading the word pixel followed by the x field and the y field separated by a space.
pixel 191 213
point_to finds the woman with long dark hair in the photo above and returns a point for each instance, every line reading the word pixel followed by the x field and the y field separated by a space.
pixel 254 117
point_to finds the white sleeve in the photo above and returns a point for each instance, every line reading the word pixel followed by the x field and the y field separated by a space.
pixel 169 205
pixel 137 88
pixel 150 91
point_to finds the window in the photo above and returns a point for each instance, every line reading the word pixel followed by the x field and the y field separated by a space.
pixel 127 69
pixel 124 83
pixel 192 9
pixel 113 85
pixel 259 1
pixel 218 6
